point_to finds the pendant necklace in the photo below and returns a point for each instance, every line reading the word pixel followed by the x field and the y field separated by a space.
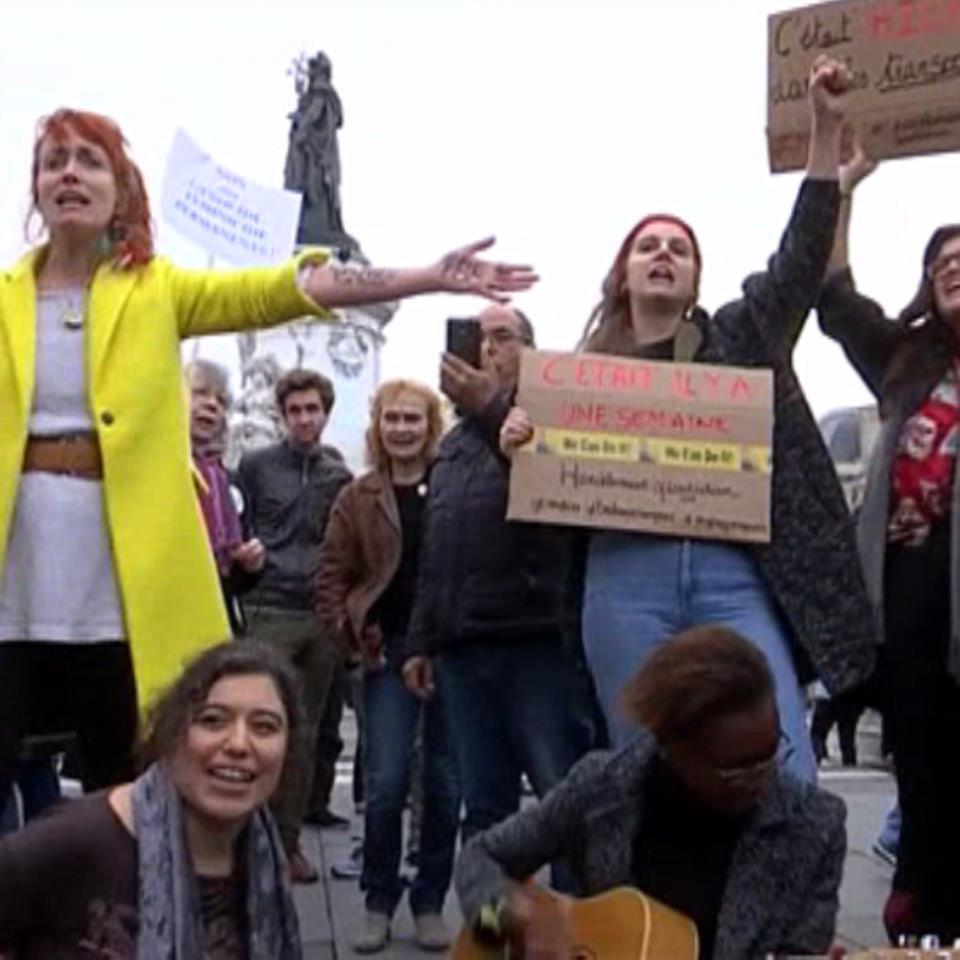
pixel 72 314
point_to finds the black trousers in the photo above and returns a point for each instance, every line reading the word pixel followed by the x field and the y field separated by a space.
pixel 923 722
pixel 329 745
pixel 85 689
pixel 845 712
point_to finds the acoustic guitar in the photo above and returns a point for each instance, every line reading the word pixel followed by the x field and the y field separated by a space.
pixel 621 924
pixel 625 924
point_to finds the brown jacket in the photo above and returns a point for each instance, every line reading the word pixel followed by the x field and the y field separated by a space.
pixel 360 555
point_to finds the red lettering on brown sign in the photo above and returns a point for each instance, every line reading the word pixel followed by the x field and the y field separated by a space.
pixel 889 19
pixel 740 390
pixel 548 372
pixel 583 415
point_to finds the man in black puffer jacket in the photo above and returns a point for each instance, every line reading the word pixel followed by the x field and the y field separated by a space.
pixel 493 630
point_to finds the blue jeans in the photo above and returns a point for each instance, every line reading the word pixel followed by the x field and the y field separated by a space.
pixel 39 787
pixel 641 589
pixel 391 717
pixel 890 833
pixel 515 707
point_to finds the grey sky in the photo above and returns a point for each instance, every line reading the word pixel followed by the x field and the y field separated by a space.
pixel 553 124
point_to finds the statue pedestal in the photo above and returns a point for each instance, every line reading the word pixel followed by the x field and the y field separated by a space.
pixel 347 351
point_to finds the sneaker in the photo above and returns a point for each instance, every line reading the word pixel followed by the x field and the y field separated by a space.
pixel 350 867
pixel 431 932
pixel 326 819
pixel 885 852
pixel 301 869
pixel 373 934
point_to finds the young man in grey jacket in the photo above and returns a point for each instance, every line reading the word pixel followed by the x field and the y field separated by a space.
pixel 289 488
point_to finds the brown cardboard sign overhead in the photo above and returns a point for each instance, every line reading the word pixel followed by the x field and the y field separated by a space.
pixel 904 58
pixel 670 448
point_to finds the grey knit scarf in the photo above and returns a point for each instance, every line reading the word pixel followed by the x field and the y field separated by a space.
pixel 169 902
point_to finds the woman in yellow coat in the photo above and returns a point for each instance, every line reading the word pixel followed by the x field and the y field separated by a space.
pixel 106 581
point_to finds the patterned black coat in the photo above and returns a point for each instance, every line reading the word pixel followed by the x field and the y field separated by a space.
pixel 811 564
pixel 781 894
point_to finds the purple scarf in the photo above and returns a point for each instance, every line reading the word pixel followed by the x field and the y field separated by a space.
pixel 219 512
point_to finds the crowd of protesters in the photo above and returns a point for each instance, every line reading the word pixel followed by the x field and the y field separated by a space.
pixel 482 653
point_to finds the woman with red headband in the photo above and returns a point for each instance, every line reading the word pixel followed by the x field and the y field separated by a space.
pixel 801 597
pixel 107 583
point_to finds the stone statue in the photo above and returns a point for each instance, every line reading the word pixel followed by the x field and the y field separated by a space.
pixel 347 349
pixel 313 155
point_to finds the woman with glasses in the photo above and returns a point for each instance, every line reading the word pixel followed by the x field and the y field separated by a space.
pixel 696 812
pixel 909 540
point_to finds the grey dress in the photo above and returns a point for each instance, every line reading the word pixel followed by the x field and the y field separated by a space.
pixel 59 583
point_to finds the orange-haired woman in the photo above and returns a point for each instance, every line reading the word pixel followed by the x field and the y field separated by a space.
pixel 106 579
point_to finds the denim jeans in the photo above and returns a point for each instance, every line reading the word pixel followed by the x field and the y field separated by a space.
pixel 890 832
pixel 515 707
pixel 641 589
pixel 39 787
pixel 391 716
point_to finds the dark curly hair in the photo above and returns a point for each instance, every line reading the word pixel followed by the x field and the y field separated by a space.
pixel 171 713
pixel 695 677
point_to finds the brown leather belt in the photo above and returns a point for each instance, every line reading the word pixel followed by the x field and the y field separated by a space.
pixel 75 455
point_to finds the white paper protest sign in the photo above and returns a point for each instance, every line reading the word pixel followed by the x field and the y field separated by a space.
pixel 225 213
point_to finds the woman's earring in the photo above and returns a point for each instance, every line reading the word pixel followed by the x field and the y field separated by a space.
pixel 689 337
pixel 116 230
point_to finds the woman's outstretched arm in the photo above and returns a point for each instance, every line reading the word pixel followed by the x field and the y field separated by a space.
pixel 462 271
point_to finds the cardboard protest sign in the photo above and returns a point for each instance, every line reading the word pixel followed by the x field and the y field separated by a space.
pixel 904 57
pixel 670 448
pixel 226 214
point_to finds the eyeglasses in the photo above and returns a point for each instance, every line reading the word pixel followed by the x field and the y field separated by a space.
pixel 736 776
pixel 501 335
pixel 942 264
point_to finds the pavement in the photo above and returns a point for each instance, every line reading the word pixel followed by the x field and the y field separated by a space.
pixel 331 909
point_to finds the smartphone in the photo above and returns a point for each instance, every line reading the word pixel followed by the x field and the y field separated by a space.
pixel 464 337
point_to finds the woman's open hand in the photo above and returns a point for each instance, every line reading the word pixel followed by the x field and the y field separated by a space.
pixel 462 271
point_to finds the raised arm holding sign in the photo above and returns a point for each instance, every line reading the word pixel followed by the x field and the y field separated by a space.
pixel 671 416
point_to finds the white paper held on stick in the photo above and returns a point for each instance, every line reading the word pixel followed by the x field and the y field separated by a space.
pixel 225 213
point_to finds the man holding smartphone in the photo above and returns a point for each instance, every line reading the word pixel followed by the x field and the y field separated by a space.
pixel 493 625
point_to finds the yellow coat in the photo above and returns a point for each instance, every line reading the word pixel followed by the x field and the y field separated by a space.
pixel 136 318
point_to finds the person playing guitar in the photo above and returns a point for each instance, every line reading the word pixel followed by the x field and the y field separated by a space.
pixel 697 812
